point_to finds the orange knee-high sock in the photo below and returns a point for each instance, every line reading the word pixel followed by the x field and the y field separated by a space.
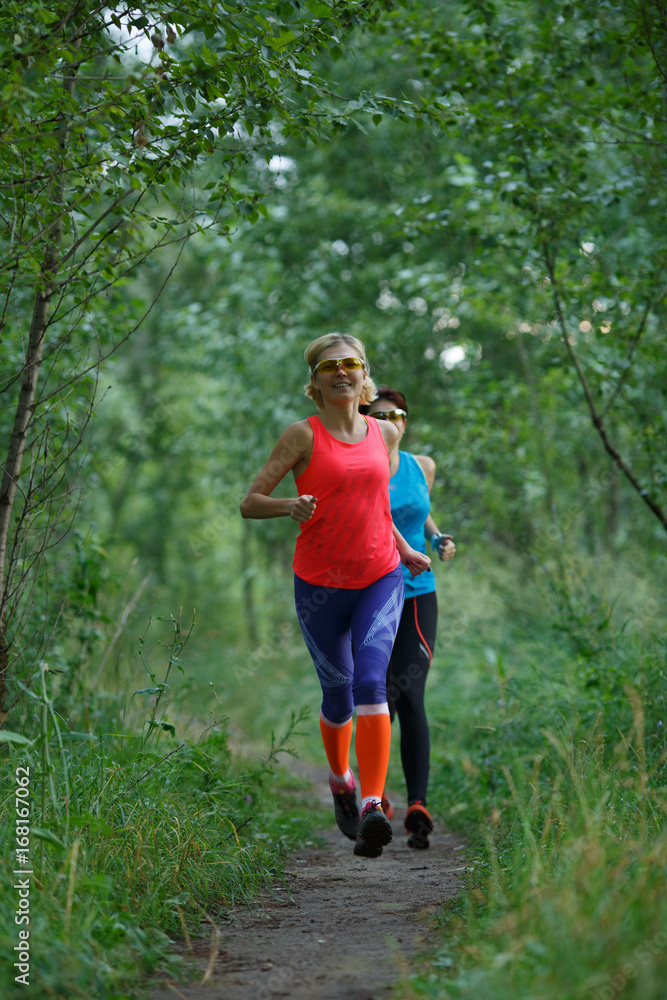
pixel 372 743
pixel 337 741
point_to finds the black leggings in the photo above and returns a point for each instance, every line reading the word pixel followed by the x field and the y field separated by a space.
pixel 406 679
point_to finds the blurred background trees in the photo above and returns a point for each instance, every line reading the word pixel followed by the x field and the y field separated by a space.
pixel 191 193
pixel 484 206
pixel 504 264
pixel 125 130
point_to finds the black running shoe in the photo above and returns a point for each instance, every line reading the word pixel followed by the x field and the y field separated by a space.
pixel 346 809
pixel 374 832
pixel 418 826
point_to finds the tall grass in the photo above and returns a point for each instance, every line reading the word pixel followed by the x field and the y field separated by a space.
pixel 555 767
pixel 137 833
pixel 547 701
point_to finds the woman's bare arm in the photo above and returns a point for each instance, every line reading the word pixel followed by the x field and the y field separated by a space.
pixel 390 434
pixel 294 447
pixel 446 549
pixel 415 561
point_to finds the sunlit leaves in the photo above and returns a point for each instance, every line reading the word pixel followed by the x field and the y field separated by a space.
pixel 126 131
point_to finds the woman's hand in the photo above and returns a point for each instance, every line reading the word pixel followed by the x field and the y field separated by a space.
pixel 448 550
pixel 444 546
pixel 303 508
pixel 416 561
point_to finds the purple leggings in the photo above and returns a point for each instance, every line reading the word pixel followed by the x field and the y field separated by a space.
pixel 350 635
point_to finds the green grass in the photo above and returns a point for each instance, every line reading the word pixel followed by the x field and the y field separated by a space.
pixel 549 752
pixel 566 889
pixel 547 703
pixel 146 830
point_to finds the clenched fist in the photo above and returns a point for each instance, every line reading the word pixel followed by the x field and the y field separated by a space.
pixel 303 508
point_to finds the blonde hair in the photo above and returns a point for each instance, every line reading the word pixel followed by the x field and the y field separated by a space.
pixel 316 347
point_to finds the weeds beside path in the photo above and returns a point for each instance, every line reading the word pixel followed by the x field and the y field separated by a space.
pixel 343 928
pixel 548 753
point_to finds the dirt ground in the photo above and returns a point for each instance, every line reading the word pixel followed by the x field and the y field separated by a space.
pixel 345 928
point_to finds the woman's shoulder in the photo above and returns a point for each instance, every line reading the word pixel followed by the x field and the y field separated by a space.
pixel 299 433
pixel 300 428
pixel 427 465
pixel 426 462
pixel 387 431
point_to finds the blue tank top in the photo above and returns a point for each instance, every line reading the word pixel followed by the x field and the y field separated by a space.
pixel 410 506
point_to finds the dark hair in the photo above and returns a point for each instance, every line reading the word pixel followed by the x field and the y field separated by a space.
pixel 384 392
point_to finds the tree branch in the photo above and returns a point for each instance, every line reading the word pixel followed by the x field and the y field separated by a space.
pixel 633 347
pixel 597 418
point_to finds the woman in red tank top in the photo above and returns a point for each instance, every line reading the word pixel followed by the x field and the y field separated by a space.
pixel 348 580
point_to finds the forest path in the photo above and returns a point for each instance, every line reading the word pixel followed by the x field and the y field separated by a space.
pixel 345 928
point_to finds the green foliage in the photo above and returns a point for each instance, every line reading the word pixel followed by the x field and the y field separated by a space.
pixel 135 835
pixel 484 206
pixel 549 751
pixel 435 246
pixel 559 162
pixel 125 131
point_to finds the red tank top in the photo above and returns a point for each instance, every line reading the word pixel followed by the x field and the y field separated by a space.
pixel 348 542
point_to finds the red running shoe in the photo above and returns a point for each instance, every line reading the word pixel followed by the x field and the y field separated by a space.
pixel 387 807
pixel 418 825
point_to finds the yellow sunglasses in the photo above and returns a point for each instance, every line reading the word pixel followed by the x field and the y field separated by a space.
pixel 330 365
pixel 389 415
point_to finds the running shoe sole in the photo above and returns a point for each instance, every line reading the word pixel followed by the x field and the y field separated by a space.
pixel 374 833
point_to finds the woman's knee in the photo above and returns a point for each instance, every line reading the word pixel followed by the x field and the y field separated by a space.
pixel 371 691
pixel 408 685
pixel 339 707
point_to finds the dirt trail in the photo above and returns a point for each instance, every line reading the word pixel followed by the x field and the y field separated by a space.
pixel 351 928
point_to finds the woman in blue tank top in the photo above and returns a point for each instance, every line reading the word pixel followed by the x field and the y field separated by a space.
pixel 410 487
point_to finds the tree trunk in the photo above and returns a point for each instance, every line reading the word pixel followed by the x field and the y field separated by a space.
pixel 25 407
pixel 12 469
pixel 597 417
pixel 538 424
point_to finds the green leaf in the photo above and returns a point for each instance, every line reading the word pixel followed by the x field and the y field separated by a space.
pixel 47 837
pixel 167 726
pixel 99 883
pixel 92 822
pixel 6 736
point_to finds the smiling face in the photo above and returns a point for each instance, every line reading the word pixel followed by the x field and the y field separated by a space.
pixel 340 385
pixel 382 403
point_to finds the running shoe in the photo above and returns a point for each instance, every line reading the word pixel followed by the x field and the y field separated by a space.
pixel 418 825
pixel 374 832
pixel 387 807
pixel 346 809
